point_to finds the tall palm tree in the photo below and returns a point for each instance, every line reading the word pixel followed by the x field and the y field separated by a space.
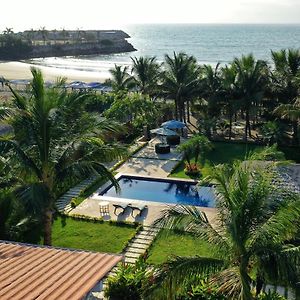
pixel 251 82
pixel 55 144
pixel 211 88
pixel 292 113
pixel 121 80
pixel 285 81
pixel 229 93
pixel 146 72
pixel 249 238
pixel 44 33
pixel 181 81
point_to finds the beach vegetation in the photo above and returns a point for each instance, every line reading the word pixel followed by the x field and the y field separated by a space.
pixel 47 153
pixel 180 82
pixel 252 240
pixel 146 74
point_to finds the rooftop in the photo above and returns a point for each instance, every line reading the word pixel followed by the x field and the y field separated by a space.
pixel 38 272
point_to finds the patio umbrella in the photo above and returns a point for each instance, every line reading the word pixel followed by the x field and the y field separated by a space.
pixel 173 124
pixel 163 131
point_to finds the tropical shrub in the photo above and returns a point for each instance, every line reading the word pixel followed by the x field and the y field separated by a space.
pixel 201 291
pixel 130 282
pixel 136 109
pixel 196 147
pixel 271 296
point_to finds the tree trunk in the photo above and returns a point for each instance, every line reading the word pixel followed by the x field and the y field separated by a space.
pixel 295 133
pixel 48 227
pixel 176 109
pixel 188 111
pixel 246 286
pixel 247 127
pixel 230 127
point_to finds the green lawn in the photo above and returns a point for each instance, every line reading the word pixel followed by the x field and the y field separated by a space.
pixel 170 244
pixel 101 237
pixel 223 152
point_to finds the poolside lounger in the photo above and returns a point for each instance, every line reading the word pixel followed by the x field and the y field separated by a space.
pixel 121 206
pixel 140 208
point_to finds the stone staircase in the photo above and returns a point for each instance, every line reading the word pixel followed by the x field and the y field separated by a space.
pixel 63 203
pixel 135 249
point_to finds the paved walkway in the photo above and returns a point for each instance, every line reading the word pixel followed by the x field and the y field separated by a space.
pixel 147 162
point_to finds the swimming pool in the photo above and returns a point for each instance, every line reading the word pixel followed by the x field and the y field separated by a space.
pixel 162 190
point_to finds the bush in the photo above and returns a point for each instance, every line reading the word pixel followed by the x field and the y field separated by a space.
pixel 203 291
pixel 130 282
pixel 271 296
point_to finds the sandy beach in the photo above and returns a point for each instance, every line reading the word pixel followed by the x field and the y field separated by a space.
pixel 21 70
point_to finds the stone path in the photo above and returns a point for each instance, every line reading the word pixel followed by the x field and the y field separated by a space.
pixel 63 203
pixel 136 248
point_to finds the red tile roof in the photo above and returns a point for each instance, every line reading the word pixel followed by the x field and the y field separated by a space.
pixel 37 272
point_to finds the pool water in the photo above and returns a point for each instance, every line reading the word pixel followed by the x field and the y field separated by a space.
pixel 165 191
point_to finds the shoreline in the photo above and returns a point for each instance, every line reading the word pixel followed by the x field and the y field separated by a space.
pixel 21 70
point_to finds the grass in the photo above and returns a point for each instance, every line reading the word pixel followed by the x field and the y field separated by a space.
pixel 171 243
pixel 93 236
pixel 223 152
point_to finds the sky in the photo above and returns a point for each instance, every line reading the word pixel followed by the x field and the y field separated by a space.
pixel 113 14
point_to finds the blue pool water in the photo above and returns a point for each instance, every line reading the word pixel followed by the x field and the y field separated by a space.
pixel 166 191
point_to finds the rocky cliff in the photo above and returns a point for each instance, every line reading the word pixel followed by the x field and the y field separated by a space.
pixel 58 43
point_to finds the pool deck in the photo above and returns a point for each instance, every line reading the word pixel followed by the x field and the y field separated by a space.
pixel 145 163
pixel 148 163
pixel 90 207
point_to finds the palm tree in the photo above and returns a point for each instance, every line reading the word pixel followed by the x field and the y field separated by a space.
pixel 292 113
pixel 229 93
pixel 146 73
pixel 48 151
pixel 285 82
pixel 249 238
pixel 8 31
pixel 211 88
pixel 64 34
pixel 251 82
pixel 121 80
pixel 44 33
pixel 181 81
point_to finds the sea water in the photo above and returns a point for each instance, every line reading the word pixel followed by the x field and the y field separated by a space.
pixel 210 44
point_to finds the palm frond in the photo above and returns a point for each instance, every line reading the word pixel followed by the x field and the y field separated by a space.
pixel 174 274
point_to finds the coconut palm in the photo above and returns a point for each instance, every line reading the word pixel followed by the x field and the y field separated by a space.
pixel 285 84
pixel 55 144
pixel 146 73
pixel 211 88
pixel 249 238
pixel 121 80
pixel 251 83
pixel 44 33
pixel 229 94
pixel 292 113
pixel 181 81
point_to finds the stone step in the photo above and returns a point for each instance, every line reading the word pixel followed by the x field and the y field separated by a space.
pixel 149 232
pixel 136 250
pixel 130 260
pixel 144 237
pixel 132 254
pixel 142 241
pixel 138 246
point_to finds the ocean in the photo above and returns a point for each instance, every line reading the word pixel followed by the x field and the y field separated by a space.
pixel 209 43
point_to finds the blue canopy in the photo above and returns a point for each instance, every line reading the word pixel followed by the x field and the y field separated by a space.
pixel 173 124
pixel 94 85
pixel 163 131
